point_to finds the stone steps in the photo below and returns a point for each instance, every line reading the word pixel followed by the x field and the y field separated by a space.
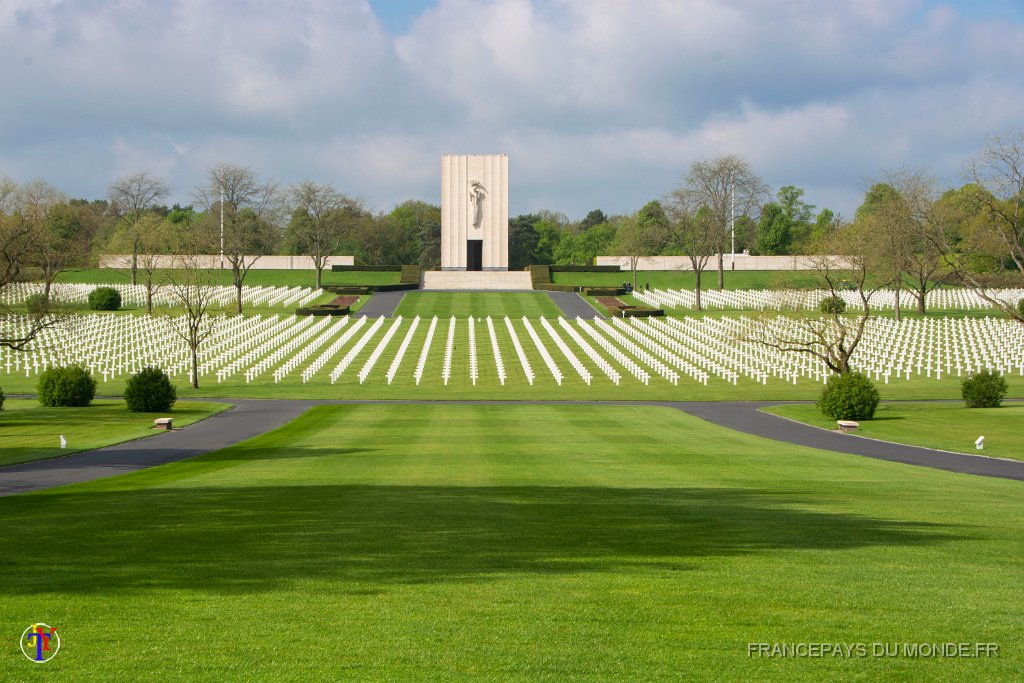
pixel 475 280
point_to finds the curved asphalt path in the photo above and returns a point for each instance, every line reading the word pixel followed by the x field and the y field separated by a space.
pixel 252 417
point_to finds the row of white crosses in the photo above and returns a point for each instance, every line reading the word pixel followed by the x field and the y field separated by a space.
pixel 669 348
pixel 761 299
pixel 135 295
pixel 421 364
pixel 472 351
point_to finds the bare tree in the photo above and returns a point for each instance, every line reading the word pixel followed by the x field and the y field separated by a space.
pixel 151 240
pixel 191 284
pixel 725 186
pixel 695 232
pixel 131 196
pixel 23 210
pixel 246 209
pixel 914 236
pixel 831 337
pixel 320 231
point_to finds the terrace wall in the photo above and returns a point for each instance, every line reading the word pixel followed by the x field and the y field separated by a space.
pixel 742 262
pixel 274 262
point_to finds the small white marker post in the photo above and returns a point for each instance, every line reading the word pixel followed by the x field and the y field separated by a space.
pixel 63 442
pixel 980 443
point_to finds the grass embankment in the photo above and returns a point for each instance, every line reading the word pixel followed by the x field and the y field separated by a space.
pixel 947 426
pixel 29 431
pixel 530 542
pixel 675 279
pixel 270 277
pixel 477 304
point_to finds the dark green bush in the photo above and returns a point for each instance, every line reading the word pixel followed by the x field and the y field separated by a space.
pixel 66 387
pixel 104 299
pixel 36 304
pixel 983 389
pixel 1 399
pixel 832 305
pixel 1020 306
pixel 850 396
pixel 150 391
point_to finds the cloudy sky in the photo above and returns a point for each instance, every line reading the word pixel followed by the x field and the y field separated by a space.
pixel 598 103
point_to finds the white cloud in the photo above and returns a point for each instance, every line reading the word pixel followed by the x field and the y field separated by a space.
pixel 598 102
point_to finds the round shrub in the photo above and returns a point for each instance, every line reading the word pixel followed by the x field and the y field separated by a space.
pixel 66 387
pixel 850 396
pixel 36 304
pixel 104 299
pixel 832 305
pixel 150 391
pixel 983 389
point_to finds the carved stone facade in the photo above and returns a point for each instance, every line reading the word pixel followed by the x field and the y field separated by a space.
pixel 474 212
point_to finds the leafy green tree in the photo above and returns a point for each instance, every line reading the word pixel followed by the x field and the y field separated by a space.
pixel 823 225
pixel 644 234
pixel 799 213
pixel 430 245
pixel 522 241
pixel 420 221
pixel 595 217
pixel 774 231
pixel 61 243
pixel 549 234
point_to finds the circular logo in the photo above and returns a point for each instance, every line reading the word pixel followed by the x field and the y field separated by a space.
pixel 40 643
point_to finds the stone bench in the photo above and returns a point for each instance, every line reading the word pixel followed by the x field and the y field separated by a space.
pixel 846 426
pixel 163 423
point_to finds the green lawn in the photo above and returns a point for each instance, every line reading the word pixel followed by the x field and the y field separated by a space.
pixel 28 431
pixel 527 542
pixel 270 277
pixel 477 304
pixel 947 426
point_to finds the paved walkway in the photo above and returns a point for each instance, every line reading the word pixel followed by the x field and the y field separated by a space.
pixel 252 417
pixel 574 306
pixel 249 418
pixel 381 304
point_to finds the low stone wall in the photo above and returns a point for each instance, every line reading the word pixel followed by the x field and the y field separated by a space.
pixel 275 262
pixel 742 262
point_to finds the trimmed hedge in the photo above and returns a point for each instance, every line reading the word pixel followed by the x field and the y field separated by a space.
pixel 552 287
pixel 68 386
pixel 366 269
pixel 540 274
pixel 1 399
pixel 585 269
pixel 410 275
pixel 850 396
pixel 983 389
pixel 603 291
pixel 150 391
pixel 369 289
pixel 322 310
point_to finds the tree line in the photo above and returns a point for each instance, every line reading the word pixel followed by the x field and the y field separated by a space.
pixel 970 234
